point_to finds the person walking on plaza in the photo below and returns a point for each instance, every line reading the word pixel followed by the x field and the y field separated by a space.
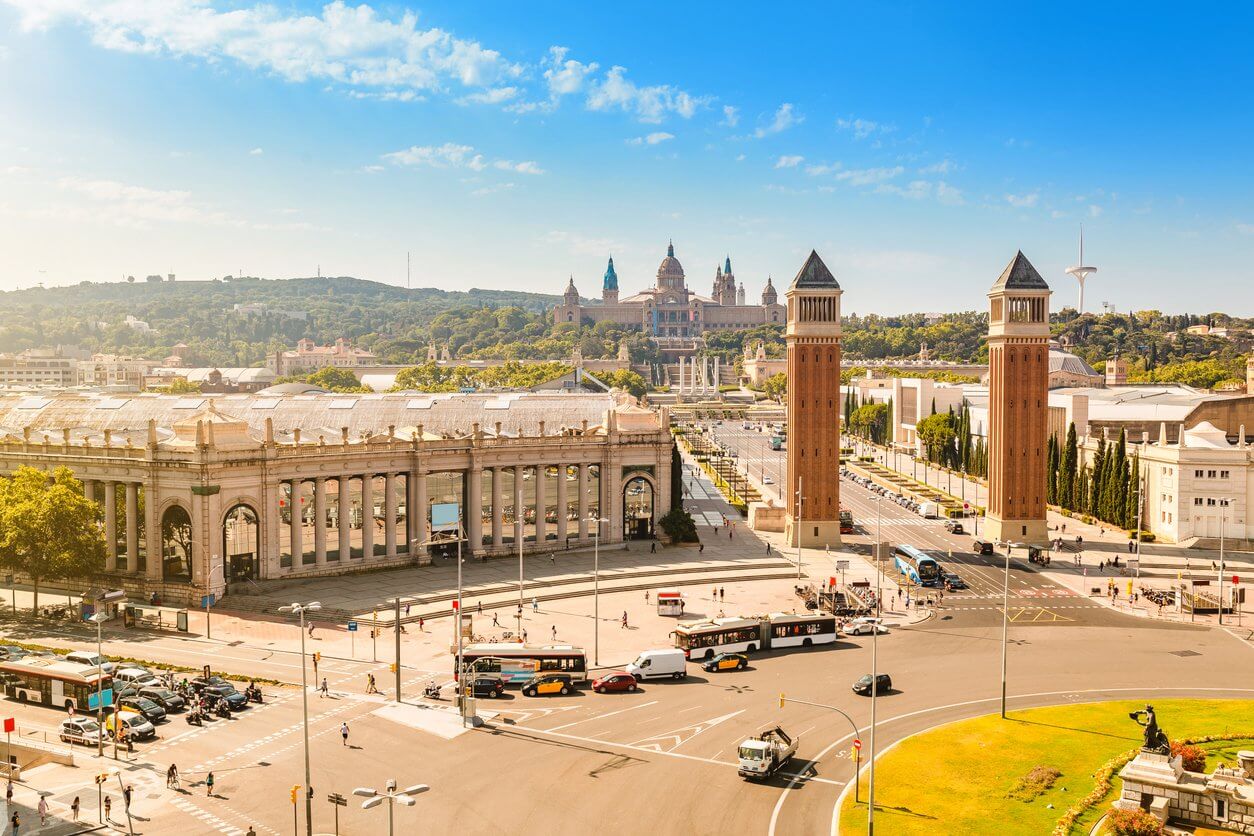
pixel 16 821
pixel 126 799
pixel 495 622
pixel 209 784
pixel 43 811
pixel 653 547
pixel 535 605
pixel 108 807
pixel 370 686
pixel 322 689
pixel 344 732
pixel 554 629
pixel 1131 547
pixel 172 776
pixel 646 596
pixel 8 794
pixel 624 626
pixel 74 808
pixel 701 548
pixel 422 622
pixel 722 594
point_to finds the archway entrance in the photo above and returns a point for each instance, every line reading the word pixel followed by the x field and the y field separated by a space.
pixel 241 543
pixel 638 509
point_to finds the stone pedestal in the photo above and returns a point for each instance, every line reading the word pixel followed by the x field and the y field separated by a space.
pixel 766 516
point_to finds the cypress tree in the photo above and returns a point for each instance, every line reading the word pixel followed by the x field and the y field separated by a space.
pixel 1067 475
pixel 1051 471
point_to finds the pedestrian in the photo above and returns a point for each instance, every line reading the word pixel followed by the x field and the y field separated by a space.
pixel 126 798
pixel 370 686
pixel 311 629
pixel 495 623
pixel 624 619
pixel 554 629
pixel 1131 546
pixel 653 547
pixel 646 596
pixel 552 559
pixel 898 593
pixel 524 635
pixel 8 794
pixel 74 808
pixel 716 531
pixel 479 605
pixel 768 546
pixel 701 548
pixel 169 777
pixel 209 784
pixel 722 594
pixel 344 732
pixel 421 624
pixel 108 805
pixel 43 810
pixel 535 605
pixel 322 689
pixel 730 532
pixel 407 616
pixel 16 821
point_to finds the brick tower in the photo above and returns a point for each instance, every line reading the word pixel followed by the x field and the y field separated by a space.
pixel 1018 389
pixel 813 338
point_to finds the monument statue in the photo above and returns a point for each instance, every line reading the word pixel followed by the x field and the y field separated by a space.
pixel 1155 738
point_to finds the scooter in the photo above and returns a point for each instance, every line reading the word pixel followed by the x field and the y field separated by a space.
pixel 431 692
pixel 193 718
pixel 223 708
pixel 253 694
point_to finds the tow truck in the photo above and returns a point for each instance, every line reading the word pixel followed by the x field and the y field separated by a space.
pixel 762 755
pixel 846 521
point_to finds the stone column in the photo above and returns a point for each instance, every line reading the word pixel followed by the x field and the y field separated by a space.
pixel 418 517
pixel 520 507
pixel 155 568
pixel 542 497
pixel 89 489
pixel 472 514
pixel 294 530
pixel 389 514
pixel 111 528
pixel 611 484
pixel 320 520
pixel 345 517
pixel 367 515
pixel 563 525
pixel 132 526
pixel 583 500
pixel 498 537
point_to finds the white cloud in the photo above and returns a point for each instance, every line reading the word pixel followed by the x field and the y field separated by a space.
pixel 740 158
pixel 783 119
pixel 1094 211
pixel 257 152
pixel 649 104
pixel 497 95
pixel 731 116
pixel 1245 229
pixel 583 245
pixel 655 138
pixel 563 75
pixel 486 190
pixel 1023 201
pixel 943 167
pixel 372 169
pixel 947 194
pixel 452 155
pixel 862 128
pixel 525 167
pixel 789 161
pixel 351 46
pixel 867 176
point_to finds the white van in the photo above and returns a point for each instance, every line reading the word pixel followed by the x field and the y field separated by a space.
pixel 652 664
pixel 86 657
pixel 929 510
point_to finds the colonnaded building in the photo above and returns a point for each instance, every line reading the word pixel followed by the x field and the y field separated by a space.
pixel 669 308
pixel 200 493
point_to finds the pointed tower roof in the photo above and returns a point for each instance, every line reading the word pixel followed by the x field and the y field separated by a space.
pixel 1020 275
pixel 814 274
pixel 611 278
pixel 727 266
pixel 670 249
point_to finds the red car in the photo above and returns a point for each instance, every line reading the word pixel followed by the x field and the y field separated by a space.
pixel 614 681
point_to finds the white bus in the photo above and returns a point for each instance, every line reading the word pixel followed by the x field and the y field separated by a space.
pixel 703 639
pixel 53 682
pixel 791 630
pixel 518 662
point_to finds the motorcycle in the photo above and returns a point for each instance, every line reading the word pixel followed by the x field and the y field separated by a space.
pixel 193 718
pixel 253 694
pixel 431 692
pixel 223 709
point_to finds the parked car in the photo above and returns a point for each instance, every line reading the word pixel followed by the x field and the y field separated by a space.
pixel 865 626
pixel 488 686
pixel 982 546
pixel 11 652
pixel 218 687
pixel 163 697
pixel 614 681
pixel 137 677
pixel 547 683
pixel 954 527
pixel 142 705
pixel 134 725
pixel 883 683
pixel 85 657
pixel 651 664
pixel 80 730
pixel 726 662
pixel 952 581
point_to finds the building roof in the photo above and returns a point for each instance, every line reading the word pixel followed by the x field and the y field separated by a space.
pixel 611 277
pixel 1020 275
pixel 1065 361
pixel 815 275
pixel 670 265
pixel 291 389
pixel 233 376
pixel 448 415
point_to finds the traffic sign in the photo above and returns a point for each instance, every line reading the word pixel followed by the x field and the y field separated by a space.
pixel 352 626
pixel 207 601
pixel 857 743
pixel 104 698
pixel 10 724
pixel 1236 579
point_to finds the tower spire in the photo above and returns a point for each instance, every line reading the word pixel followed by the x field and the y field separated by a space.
pixel 1081 272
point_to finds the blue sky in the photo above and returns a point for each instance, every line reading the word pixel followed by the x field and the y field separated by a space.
pixel 511 145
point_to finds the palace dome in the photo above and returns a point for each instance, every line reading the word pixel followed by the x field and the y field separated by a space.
pixel 670 267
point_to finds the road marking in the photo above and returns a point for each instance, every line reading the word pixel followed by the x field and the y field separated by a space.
pixel 677 735
pixel 603 716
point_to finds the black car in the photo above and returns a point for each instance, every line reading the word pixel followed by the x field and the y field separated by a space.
pixel 952 581
pixel 152 712
pixel 954 527
pixel 489 686
pixel 982 546
pixel 216 686
pixel 163 697
pixel 884 683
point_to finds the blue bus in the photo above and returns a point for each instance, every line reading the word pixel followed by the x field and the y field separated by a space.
pixel 919 567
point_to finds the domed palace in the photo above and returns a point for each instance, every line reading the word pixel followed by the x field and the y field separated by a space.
pixel 669 309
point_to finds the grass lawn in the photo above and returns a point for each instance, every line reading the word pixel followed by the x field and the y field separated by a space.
pixel 957 778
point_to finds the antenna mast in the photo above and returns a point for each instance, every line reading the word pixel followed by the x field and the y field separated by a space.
pixel 1081 272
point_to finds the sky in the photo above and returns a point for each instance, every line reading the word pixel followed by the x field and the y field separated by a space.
pixel 513 145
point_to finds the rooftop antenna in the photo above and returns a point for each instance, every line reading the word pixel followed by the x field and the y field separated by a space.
pixel 1081 272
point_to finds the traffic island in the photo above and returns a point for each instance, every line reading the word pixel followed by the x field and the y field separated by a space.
pixel 1042 770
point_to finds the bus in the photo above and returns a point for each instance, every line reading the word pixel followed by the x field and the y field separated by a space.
pixel 777 442
pixel 792 630
pixel 518 662
pixel 919 567
pixel 703 639
pixel 54 682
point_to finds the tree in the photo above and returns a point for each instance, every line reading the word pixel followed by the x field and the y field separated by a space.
pixel 48 529
pixel 870 420
pixel 937 431
pixel 625 379
pixel 336 380
pixel 179 386
pixel 776 386
pixel 679 526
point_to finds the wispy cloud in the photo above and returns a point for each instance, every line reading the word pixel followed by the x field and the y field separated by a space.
pixel 945 166
pixel 924 189
pixel 452 155
pixel 789 161
pixel 855 176
pixel 649 104
pixel 863 128
pixel 257 152
pixel 1023 201
pixel 579 244
pixel 497 95
pixel 1245 229
pixel 785 117
pixel 655 138
pixel 731 116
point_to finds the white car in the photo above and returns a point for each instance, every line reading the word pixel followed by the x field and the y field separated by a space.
pixel 80 730
pixel 767 480
pixel 84 657
pixel 137 677
pixel 864 627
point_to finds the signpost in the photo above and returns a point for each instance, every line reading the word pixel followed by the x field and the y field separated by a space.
pixel 207 601
pixel 352 638
pixel 9 725
pixel 339 801
pixel 842 565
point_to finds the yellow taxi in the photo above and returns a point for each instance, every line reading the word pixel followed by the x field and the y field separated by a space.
pixel 726 662
pixel 547 683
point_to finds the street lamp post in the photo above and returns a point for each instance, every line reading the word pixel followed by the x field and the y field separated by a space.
pixel 875 683
pixel 99 619
pixel 596 588
pixel 392 796
pixel 1005 628
pixel 800 499
pixel 1224 503
pixel 300 610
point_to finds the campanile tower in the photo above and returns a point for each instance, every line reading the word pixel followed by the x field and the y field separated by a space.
pixel 1018 389
pixel 813 338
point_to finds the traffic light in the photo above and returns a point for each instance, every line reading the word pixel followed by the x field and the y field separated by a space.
pixel 317 657
pixel 295 790
pixel 392 667
pixel 781 700
pixel 102 777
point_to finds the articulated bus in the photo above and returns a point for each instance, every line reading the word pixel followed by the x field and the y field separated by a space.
pixel 704 639
pixel 519 662
pixel 919 567
pixel 53 682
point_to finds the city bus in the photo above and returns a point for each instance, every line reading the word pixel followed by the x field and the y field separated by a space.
pixel 703 639
pixel 518 662
pixel 919 567
pixel 792 630
pixel 54 682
